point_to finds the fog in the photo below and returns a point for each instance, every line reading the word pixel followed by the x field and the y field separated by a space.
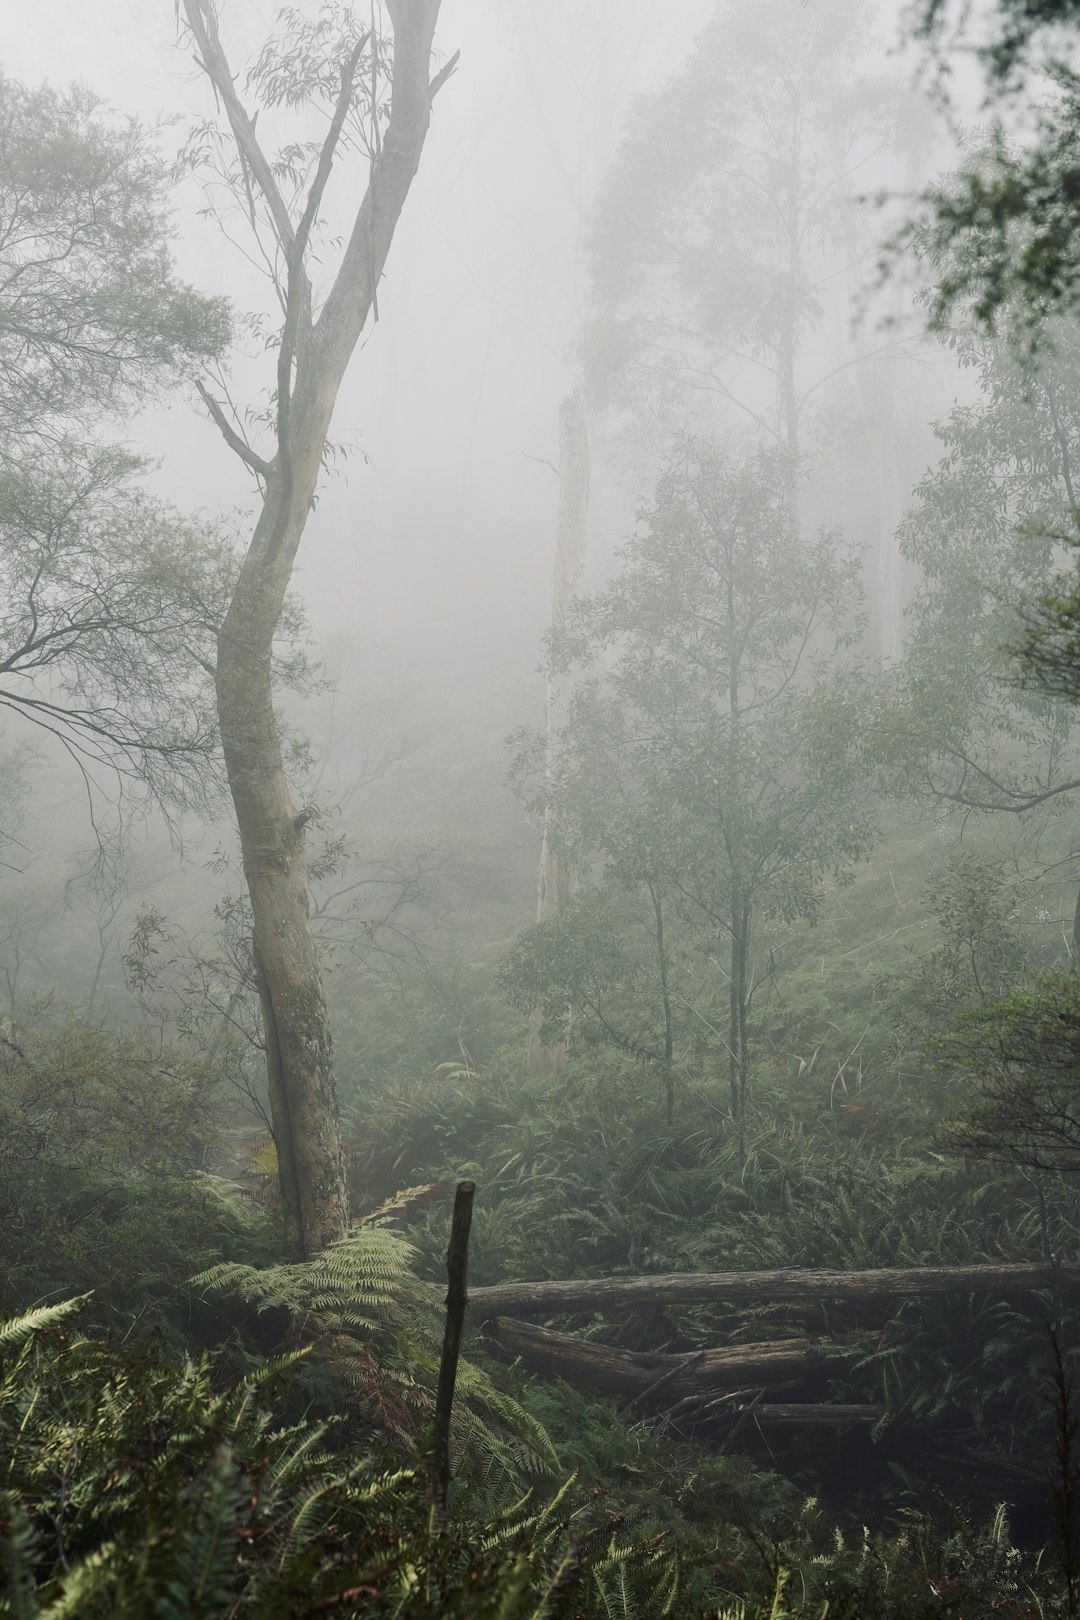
pixel 576 706
pixel 440 545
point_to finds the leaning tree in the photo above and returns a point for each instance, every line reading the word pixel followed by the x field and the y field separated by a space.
pixel 373 93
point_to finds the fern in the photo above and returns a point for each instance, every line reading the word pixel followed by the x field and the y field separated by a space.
pixel 21 1329
pixel 134 1486
pixel 360 1303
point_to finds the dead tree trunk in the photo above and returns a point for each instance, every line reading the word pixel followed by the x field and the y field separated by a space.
pixel 313 354
pixel 569 581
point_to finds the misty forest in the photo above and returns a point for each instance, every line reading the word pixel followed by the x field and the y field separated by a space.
pixel 540 809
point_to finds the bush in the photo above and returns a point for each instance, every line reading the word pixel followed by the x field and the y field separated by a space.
pixel 104 1138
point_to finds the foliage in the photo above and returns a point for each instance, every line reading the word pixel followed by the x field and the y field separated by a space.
pixel 135 1485
pixel 382 1337
pixel 110 600
pixel 976 902
pixel 1007 221
pixel 1022 1060
pixel 93 318
pixel 110 607
pixel 104 1139
pixel 956 726
pixel 1023 30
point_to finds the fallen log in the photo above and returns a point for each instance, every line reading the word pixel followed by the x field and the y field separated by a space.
pixel 599 1294
pixel 816 1414
pixel 652 1375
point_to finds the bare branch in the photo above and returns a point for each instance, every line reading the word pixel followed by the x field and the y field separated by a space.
pixel 441 77
pixel 329 147
pixel 352 294
pixel 235 443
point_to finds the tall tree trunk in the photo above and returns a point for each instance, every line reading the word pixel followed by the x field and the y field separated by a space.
pixel 296 1026
pixel 312 357
pixel 739 1048
pixel 788 350
pixel 664 983
pixel 569 581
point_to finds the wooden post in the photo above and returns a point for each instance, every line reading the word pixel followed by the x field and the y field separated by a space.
pixel 457 1256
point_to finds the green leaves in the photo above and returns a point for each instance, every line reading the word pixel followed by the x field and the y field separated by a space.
pixel 92 316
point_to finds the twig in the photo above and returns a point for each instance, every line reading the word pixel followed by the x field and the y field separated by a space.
pixel 687 1364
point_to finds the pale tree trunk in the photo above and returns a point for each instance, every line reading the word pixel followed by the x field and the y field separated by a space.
pixel 888 580
pixel 877 383
pixel 738 1043
pixel 569 581
pixel 788 347
pixel 312 358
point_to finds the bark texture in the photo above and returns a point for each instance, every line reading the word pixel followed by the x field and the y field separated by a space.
pixel 569 581
pixel 599 1294
pixel 312 358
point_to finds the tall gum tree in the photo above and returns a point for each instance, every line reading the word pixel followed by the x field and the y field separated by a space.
pixel 349 76
pixel 569 583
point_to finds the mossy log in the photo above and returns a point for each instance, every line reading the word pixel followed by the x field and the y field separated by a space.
pixel 600 1294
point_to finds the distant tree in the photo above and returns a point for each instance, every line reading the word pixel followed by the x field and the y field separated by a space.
pixel 709 243
pixel 569 581
pixel 728 260
pixel 374 97
pixel 706 770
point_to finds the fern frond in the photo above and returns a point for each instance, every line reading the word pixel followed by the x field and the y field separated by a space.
pixel 20 1329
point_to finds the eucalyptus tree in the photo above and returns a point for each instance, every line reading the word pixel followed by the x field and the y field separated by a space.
pixel 373 95
pixel 729 257
pixel 108 597
pixel 1008 219
pixel 93 317
pixel 706 773
pixel 961 725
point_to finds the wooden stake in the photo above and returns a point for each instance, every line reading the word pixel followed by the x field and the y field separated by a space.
pixel 457 1256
